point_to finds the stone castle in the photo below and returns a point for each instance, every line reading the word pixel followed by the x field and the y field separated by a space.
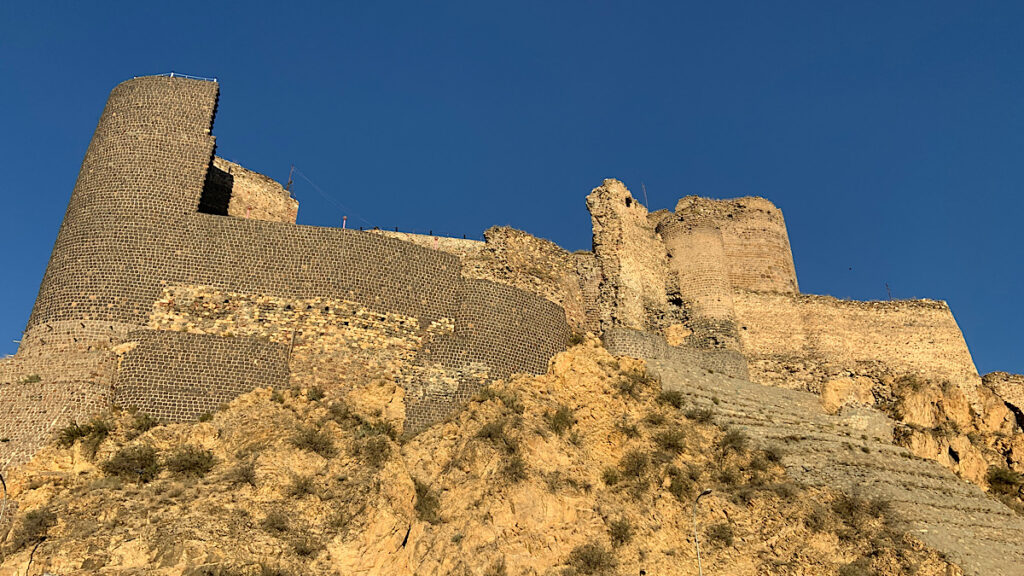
pixel 179 280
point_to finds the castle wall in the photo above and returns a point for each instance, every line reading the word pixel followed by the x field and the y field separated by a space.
pixel 758 256
pixel 251 195
pixel 132 230
pixel 634 270
pixel 697 256
pixel 645 345
pixel 793 338
pixel 180 376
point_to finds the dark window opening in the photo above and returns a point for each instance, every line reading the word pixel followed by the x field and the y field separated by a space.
pixel 216 192
pixel 629 202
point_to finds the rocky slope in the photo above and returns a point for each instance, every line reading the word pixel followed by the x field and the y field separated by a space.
pixel 588 469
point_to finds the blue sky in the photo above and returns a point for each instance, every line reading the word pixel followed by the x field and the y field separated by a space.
pixel 891 134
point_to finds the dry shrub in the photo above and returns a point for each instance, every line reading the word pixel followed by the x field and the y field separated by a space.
pixel 314 440
pixel 591 559
pixel 190 461
pixel 136 463
pixel 428 505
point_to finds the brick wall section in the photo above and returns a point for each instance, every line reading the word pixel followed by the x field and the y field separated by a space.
pixel 180 376
pixel 758 256
pixel 133 229
pixel 906 336
pixel 649 346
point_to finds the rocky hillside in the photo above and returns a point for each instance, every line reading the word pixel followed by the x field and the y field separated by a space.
pixel 588 469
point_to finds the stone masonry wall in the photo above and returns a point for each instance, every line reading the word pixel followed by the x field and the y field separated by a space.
pixel 758 256
pixel 645 345
pixel 635 278
pixel 134 228
pixel 180 376
pixel 255 196
pixel 783 334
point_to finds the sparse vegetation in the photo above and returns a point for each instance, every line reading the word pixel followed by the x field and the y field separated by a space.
pixel 243 473
pixel 374 450
pixel 91 435
pixel 591 559
pixel 428 505
pixel 610 476
pixel 673 398
pixel 275 522
pixel 672 440
pixel 137 463
pixel 1002 480
pixel 205 417
pixel 700 415
pixel 634 464
pixel 190 461
pixel 576 339
pixel 721 534
pixel 560 420
pixel 314 440
pixel 620 531
pixel 733 441
pixel 315 394
pixel 31 379
pixel 301 486
pixel 514 468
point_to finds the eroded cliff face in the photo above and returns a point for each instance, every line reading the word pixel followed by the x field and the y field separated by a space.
pixel 587 469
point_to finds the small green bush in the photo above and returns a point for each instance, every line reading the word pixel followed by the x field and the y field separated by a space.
pixel 591 559
pixel 1002 480
pixel 733 440
pixel 493 431
pixel 205 417
pixel 144 422
pixel 673 398
pixel 576 339
pixel 243 473
pixel 672 440
pixel 721 534
pixel 276 396
pixel 31 379
pixel 628 429
pixel 91 435
pixel 374 450
pixel 136 463
pixel 302 486
pixel 314 440
pixel 514 469
pixel 560 420
pixel 315 394
pixel 307 547
pixel 620 531
pixel 610 476
pixel 508 398
pixel 68 435
pixel 655 418
pixel 428 505
pixel 701 415
pixel 191 461
pixel 634 464
pixel 275 522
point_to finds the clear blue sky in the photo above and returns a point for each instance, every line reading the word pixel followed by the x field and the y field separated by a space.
pixel 890 133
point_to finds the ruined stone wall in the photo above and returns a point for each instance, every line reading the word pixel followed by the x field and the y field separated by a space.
pixel 134 227
pixel 253 195
pixel 697 254
pixel 784 335
pixel 635 278
pixel 180 376
pixel 645 345
pixel 758 256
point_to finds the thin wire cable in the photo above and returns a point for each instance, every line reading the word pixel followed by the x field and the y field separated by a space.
pixel 332 200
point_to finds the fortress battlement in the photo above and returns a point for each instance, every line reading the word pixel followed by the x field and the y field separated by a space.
pixel 179 280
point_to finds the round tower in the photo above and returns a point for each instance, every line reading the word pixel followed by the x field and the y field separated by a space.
pixel 143 173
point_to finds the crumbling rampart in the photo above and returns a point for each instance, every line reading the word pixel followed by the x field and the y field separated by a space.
pixel 134 229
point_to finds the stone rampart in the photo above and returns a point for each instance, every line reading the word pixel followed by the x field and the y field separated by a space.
pixel 782 334
pixel 180 376
pixel 758 256
pixel 133 229
pixel 231 190
pixel 645 345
